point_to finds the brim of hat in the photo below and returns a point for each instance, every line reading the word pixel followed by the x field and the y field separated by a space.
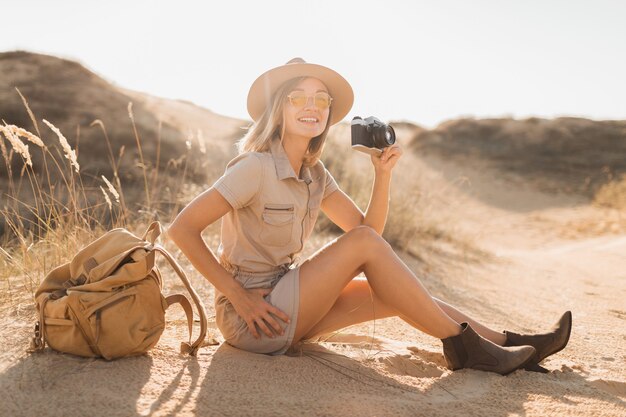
pixel 260 94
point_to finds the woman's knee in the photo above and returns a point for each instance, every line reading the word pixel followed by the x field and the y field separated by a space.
pixel 366 238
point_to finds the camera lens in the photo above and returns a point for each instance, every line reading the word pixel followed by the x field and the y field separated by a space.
pixel 390 135
pixel 384 136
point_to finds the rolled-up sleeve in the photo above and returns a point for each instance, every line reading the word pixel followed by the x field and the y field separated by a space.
pixel 330 185
pixel 241 181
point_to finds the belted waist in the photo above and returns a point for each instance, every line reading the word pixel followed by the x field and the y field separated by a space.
pixel 237 270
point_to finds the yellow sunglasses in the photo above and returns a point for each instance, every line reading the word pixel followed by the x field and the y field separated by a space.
pixel 299 99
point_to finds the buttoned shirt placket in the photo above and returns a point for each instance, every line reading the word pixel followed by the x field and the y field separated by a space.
pixel 284 170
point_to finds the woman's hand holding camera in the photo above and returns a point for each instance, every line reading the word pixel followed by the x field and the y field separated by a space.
pixel 372 136
pixel 385 162
pixel 253 309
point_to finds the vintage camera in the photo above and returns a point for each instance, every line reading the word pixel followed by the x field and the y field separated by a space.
pixel 371 136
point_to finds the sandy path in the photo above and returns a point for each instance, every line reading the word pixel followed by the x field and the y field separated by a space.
pixel 384 368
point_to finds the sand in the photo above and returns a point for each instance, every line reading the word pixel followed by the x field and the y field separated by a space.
pixel 533 269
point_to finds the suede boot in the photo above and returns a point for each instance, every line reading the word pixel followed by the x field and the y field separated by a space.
pixel 471 350
pixel 545 344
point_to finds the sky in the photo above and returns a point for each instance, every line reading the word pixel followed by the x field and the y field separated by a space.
pixel 420 61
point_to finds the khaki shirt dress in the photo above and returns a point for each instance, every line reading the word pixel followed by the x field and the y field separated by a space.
pixel 273 215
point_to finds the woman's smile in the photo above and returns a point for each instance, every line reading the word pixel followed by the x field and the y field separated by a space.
pixel 309 121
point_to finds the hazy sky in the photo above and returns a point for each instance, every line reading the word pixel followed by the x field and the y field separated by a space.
pixel 423 61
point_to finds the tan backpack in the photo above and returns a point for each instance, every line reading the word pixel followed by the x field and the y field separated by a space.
pixel 107 301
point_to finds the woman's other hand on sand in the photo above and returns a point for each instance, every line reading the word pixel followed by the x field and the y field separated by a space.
pixel 253 309
pixel 385 162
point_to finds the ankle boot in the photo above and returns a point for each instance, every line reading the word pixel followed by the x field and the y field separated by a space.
pixel 545 344
pixel 471 350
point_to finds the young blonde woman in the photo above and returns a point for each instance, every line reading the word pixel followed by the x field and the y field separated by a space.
pixel 269 199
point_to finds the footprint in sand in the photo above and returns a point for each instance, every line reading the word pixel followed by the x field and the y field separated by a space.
pixel 618 313
pixel 427 356
pixel 613 387
pixel 412 366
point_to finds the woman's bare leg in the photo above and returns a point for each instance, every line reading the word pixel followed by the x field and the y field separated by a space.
pixel 498 338
pixel 358 303
pixel 328 272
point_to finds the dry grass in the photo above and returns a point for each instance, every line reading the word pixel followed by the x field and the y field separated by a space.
pixel 93 117
pixel 608 215
pixel 605 216
pixel 612 195
pixel 608 222
pixel 48 221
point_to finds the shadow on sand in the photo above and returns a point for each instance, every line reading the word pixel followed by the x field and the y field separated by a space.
pixel 318 381
pixel 314 381
pixel 57 384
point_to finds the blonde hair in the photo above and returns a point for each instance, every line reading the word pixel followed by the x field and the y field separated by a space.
pixel 271 124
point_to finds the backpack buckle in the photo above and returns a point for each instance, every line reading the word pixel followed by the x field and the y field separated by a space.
pixel 57 294
pixel 75 282
pixel 35 342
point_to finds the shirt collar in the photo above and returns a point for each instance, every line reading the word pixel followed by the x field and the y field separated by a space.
pixel 283 166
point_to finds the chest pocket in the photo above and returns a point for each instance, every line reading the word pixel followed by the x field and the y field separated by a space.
pixel 277 225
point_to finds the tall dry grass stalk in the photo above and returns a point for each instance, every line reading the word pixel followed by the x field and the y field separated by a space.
pixel 18 146
pixel 69 152
pixel 106 197
pixel 143 164
pixel 12 134
pixel 115 165
pixel 18 131
pixel 155 172
pixel 179 186
pixel 29 111
pixel 112 189
pixel 6 156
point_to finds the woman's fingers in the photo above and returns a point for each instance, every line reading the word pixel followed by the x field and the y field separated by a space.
pixel 279 330
pixel 272 309
pixel 252 328
pixel 261 323
pixel 388 153
pixel 280 314
pixel 391 151
pixel 263 314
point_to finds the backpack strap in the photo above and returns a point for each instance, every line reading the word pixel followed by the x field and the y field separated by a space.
pixel 153 232
pixel 191 348
pixel 186 305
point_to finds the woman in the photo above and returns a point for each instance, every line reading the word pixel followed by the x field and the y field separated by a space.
pixel 266 301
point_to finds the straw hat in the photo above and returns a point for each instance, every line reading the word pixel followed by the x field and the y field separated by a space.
pixel 266 84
